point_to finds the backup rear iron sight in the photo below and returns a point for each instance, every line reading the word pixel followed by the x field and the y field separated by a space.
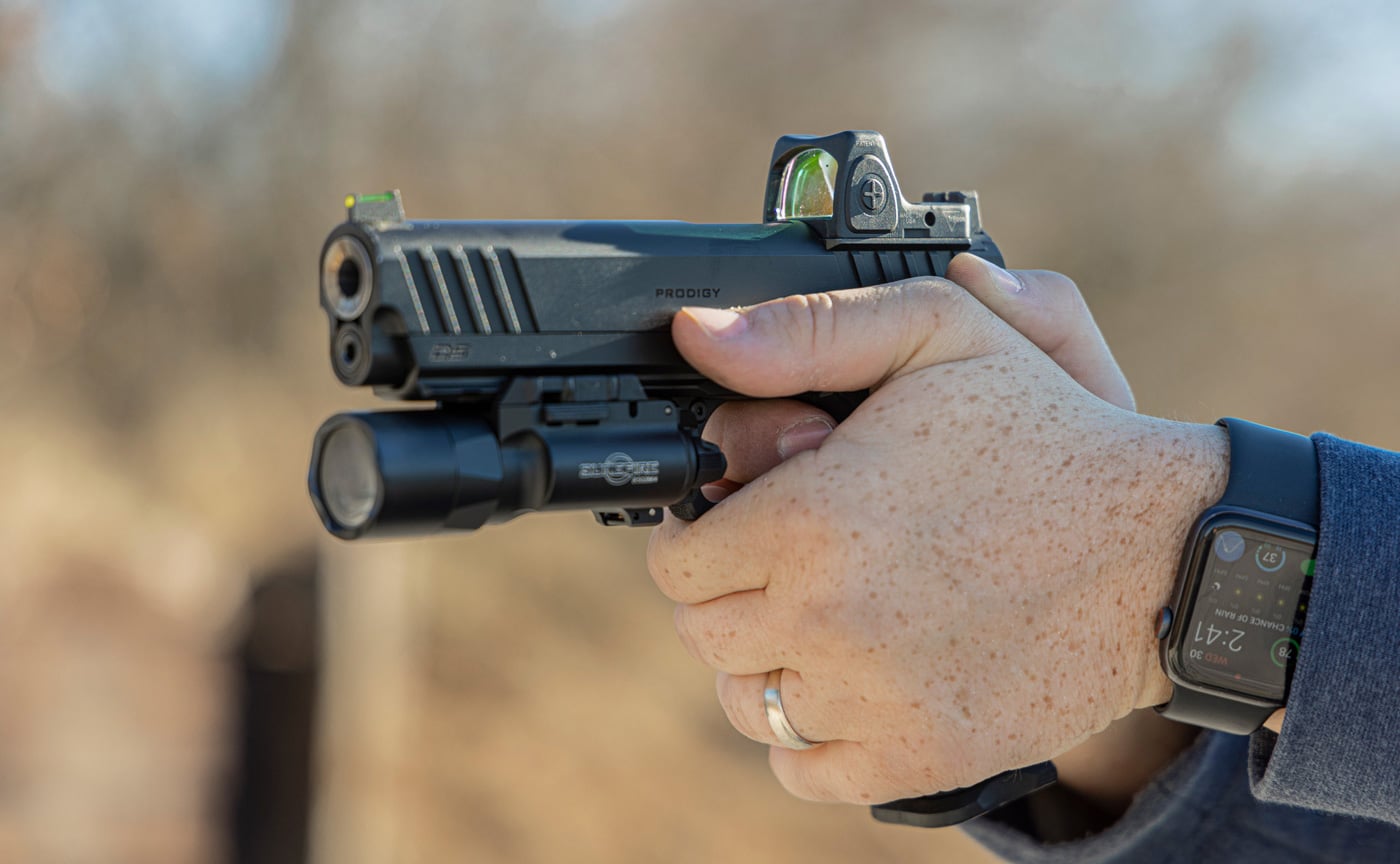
pixel 546 345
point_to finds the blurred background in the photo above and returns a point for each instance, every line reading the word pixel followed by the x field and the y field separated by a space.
pixel 191 671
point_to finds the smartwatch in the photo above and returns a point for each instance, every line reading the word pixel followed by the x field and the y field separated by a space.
pixel 1230 638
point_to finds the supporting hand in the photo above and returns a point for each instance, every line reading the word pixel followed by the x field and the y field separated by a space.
pixel 961 577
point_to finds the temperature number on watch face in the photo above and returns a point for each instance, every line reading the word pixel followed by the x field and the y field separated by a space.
pixel 1211 635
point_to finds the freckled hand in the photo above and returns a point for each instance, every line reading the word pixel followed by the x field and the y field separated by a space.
pixel 908 686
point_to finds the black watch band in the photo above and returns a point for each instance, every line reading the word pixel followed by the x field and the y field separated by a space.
pixel 1274 474
pixel 1196 708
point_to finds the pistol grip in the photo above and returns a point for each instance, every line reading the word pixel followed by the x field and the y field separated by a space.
pixel 960 805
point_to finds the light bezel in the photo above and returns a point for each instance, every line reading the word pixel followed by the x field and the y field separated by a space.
pixel 323 437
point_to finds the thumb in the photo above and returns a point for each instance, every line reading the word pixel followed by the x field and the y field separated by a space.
pixel 835 341
pixel 1048 310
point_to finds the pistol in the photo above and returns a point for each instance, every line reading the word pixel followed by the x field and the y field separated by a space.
pixel 542 351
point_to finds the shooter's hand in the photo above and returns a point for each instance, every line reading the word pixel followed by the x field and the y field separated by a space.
pixel 961 578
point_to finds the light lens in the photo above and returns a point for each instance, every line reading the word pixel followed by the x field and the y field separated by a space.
pixel 349 475
pixel 807 186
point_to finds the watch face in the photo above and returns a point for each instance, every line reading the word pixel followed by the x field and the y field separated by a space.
pixel 1251 596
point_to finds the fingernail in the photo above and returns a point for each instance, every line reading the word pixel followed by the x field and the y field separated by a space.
pixel 715 492
pixel 1007 281
pixel 717 323
pixel 802 435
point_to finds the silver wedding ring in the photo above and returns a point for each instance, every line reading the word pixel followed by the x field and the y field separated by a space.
pixel 777 718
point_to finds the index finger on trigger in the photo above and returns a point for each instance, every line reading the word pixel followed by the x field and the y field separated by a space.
pixel 758 435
